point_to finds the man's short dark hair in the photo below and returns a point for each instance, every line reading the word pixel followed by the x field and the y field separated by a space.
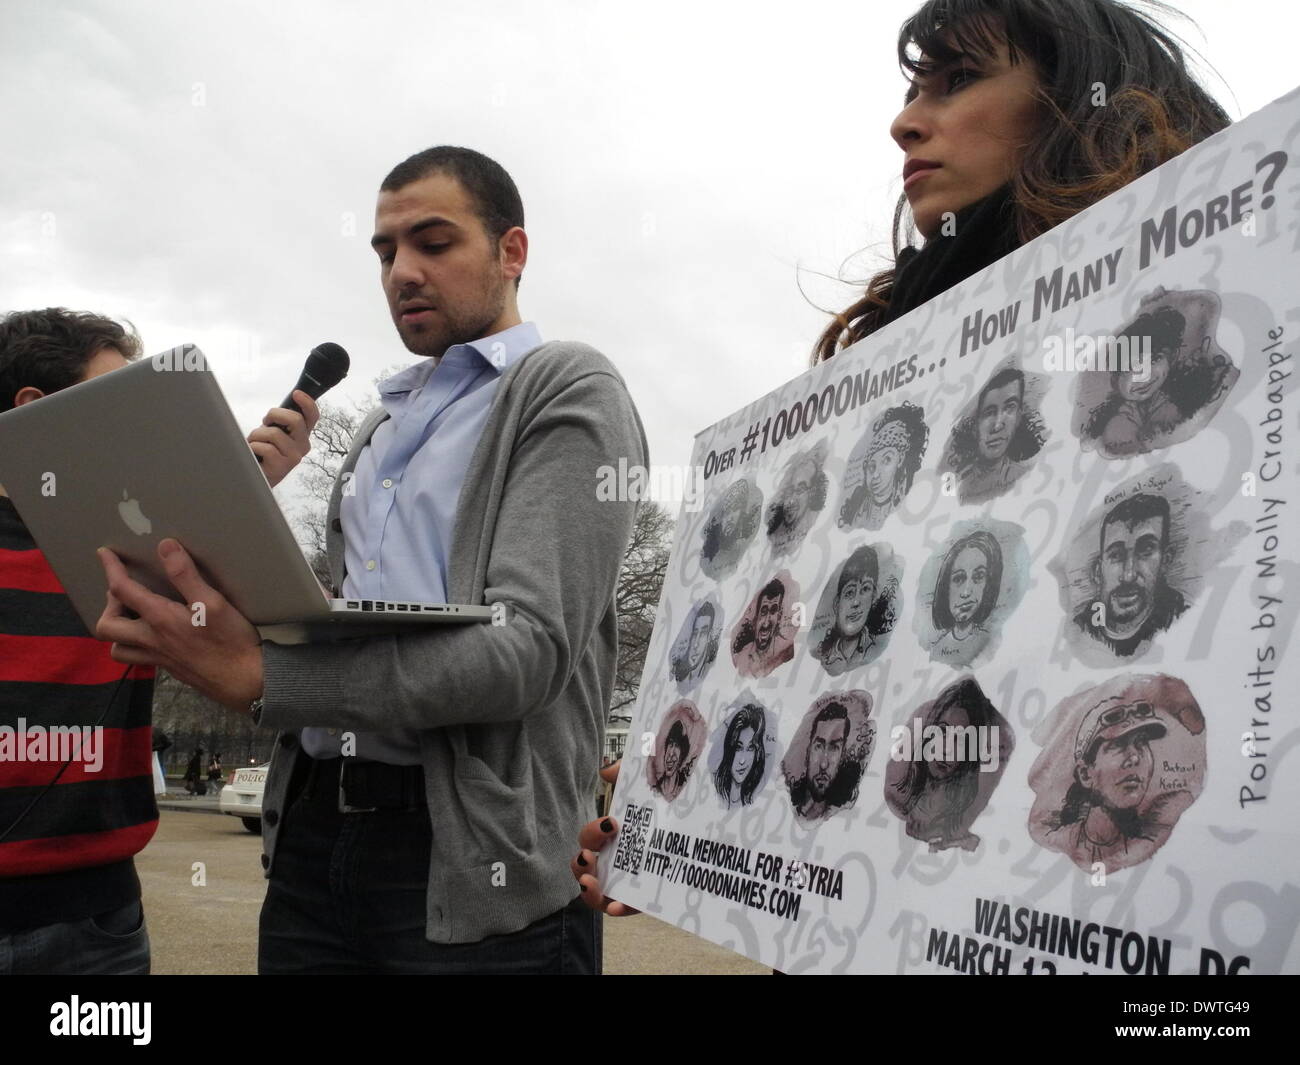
pixel 492 191
pixel 1001 379
pixel 773 589
pixel 830 712
pixel 51 349
pixel 1138 508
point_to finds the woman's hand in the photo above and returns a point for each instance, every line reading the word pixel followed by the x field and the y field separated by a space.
pixel 591 839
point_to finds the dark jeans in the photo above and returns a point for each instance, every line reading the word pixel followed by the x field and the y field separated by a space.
pixel 109 944
pixel 348 895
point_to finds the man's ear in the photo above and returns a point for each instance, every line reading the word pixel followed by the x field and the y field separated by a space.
pixel 27 394
pixel 513 249
pixel 1095 569
pixel 1083 773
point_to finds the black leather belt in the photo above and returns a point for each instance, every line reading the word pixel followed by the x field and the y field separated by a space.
pixel 367 787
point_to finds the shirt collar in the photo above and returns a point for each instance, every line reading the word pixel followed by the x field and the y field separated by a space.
pixel 500 351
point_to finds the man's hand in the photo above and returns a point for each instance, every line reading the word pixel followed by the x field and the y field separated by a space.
pixel 592 838
pixel 284 437
pixel 208 645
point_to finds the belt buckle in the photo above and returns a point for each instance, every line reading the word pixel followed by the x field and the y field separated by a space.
pixel 344 808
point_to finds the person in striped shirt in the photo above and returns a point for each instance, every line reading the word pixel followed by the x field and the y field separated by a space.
pixel 76 753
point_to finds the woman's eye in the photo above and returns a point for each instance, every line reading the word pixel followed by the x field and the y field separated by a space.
pixel 960 77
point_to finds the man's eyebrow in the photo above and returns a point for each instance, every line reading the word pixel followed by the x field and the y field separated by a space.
pixel 433 222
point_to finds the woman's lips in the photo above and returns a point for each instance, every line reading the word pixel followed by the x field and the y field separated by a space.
pixel 918 174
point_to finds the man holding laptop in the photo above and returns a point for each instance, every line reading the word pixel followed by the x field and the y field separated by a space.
pixel 74 811
pixel 426 786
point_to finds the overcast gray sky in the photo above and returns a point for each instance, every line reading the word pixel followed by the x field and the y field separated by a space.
pixel 208 169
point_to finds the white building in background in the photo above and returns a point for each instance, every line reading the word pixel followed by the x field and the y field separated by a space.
pixel 615 740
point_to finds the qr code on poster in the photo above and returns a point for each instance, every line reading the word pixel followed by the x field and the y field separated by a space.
pixel 632 837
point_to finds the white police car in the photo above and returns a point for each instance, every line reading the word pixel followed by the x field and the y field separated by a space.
pixel 242 796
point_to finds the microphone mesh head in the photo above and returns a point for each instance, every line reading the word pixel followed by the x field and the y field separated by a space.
pixel 328 363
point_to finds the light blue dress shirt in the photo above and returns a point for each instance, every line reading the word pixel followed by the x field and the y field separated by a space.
pixel 399 512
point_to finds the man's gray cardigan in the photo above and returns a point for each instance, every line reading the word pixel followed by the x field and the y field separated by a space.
pixel 511 716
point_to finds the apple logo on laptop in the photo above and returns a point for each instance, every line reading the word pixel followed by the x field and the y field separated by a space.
pixel 133 516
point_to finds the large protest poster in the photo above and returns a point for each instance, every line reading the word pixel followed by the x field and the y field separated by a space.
pixel 977 653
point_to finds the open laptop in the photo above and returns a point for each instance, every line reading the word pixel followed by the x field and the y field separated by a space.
pixel 152 451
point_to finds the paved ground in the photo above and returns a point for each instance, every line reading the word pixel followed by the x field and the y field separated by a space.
pixel 211 927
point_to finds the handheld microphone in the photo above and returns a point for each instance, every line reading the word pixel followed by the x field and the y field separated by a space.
pixel 325 367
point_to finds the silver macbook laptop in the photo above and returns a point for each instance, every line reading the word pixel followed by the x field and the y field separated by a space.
pixel 152 451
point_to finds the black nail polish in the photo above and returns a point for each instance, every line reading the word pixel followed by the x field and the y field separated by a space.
pixel 582 861
pixel 607 825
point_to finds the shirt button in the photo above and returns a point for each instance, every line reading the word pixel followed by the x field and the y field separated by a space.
pixel 388 482
pixel 332 731
pixel 370 563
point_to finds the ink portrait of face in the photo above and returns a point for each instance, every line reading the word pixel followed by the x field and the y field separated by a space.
pixel 764 637
pixel 975 587
pixel 696 647
pixel 1161 379
pixel 741 765
pixel 769 619
pixel 729 528
pixel 945 762
pixel 882 466
pixel 880 471
pixel 677 748
pixel 999 417
pixel 824 765
pixel 968 588
pixel 996 438
pixel 1120 764
pixel 1133 600
pixel 858 609
pixel 799 498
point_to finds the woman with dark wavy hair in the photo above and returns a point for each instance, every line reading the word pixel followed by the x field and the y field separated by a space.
pixel 1098 88
pixel 744 759
pixel 988 79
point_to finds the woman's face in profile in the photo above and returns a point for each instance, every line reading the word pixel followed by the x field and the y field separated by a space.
pixel 963 127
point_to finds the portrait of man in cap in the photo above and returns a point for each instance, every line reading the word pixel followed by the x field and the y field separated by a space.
pixel 1136 761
